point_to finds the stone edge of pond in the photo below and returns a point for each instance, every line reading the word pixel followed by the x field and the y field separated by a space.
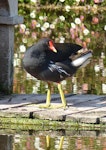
pixel 37 124
pixel 22 112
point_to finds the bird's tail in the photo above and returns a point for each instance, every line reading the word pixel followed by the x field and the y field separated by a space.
pixel 82 60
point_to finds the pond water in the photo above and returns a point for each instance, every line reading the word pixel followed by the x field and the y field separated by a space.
pixel 52 140
pixel 84 25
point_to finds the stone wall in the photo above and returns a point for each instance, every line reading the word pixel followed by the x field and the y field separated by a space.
pixel 8 18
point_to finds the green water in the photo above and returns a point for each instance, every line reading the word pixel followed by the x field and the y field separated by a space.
pixel 37 140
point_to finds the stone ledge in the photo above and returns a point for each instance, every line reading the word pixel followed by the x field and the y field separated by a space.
pixel 89 109
pixel 11 20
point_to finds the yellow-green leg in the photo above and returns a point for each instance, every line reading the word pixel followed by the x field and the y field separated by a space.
pixel 48 141
pixel 48 98
pixel 61 143
pixel 64 103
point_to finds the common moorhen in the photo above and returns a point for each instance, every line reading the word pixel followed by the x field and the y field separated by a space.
pixel 52 62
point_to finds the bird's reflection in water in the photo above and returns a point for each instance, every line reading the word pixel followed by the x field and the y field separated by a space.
pixel 59 146
pixel 52 140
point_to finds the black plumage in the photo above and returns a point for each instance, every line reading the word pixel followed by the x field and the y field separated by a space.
pixel 51 62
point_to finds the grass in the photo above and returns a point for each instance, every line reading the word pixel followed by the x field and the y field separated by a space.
pixel 37 124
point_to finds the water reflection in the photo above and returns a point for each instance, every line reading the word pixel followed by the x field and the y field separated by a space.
pixel 53 140
pixel 87 28
pixel 6 142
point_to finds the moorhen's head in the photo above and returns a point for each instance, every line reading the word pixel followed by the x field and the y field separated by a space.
pixel 48 44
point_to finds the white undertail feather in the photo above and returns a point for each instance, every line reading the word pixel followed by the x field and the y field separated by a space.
pixel 82 61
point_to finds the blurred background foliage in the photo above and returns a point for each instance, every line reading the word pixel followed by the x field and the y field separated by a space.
pixel 79 21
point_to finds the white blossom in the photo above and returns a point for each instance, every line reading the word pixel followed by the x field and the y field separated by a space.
pixel 64 82
pixel 77 21
pixel 22 48
pixel 34 1
pixel 27 32
pixel 32 14
pixel 43 29
pixel 97 68
pixel 24 40
pixel 62 18
pixel 104 72
pixel 15 55
pixel 35 89
pixel 105 27
pixel 41 17
pixel 62 39
pixel 102 55
pixel 23 26
pixel 78 1
pixel 62 1
pixel 86 31
pixel 17 62
pixel 38 25
pixel 73 25
pixel 17 138
pixel 75 88
pixel 104 88
pixel 67 8
pixel 52 26
pixel 45 26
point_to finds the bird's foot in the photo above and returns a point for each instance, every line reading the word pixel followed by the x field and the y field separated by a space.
pixel 52 106
pixel 44 105
pixel 57 106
